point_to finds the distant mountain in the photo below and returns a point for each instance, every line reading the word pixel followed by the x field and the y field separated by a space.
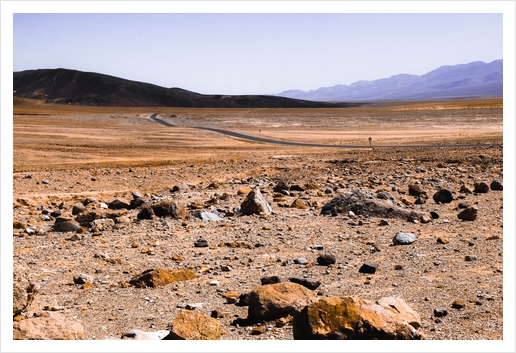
pixel 63 86
pixel 476 79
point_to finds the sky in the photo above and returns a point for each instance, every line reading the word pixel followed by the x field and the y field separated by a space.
pixel 254 53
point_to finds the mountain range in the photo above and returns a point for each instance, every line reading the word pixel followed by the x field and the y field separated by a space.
pixel 476 79
pixel 64 86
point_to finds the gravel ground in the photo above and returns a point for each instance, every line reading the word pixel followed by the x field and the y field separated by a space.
pixel 427 274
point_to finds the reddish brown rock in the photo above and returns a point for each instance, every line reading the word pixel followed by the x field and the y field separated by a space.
pixel 272 301
pixel 481 187
pixel 194 325
pixel 354 318
pixel 468 214
pixel 158 277
pixel 47 326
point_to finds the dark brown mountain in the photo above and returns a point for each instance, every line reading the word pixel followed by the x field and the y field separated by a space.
pixel 63 86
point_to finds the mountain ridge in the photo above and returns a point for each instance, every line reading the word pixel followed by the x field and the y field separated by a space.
pixel 475 79
pixel 66 86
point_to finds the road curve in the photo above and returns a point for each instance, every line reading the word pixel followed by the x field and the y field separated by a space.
pixel 292 143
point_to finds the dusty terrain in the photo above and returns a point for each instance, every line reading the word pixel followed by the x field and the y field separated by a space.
pixel 64 154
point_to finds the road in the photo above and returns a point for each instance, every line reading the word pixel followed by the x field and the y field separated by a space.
pixel 293 143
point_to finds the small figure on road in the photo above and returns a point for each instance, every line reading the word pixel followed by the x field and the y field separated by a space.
pixel 370 139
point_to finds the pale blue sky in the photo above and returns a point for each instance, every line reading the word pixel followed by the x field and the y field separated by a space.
pixel 254 53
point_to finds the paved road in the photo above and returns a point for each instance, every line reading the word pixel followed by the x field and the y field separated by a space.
pixel 292 143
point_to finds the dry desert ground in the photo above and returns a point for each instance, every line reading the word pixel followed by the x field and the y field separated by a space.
pixel 452 275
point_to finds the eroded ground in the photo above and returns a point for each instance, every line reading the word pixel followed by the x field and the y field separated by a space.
pixel 109 153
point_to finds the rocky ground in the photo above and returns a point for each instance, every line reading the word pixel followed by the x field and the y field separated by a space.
pixel 451 275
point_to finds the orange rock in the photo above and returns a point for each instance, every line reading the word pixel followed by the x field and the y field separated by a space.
pixel 272 301
pixel 244 190
pixel 299 204
pixel 354 318
pixel 158 277
pixel 194 325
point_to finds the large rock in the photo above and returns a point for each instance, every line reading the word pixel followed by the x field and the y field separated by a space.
pixel 118 204
pixel 402 238
pixel 443 196
pixel 64 226
pixel 363 202
pixel 194 325
pixel 87 217
pixel 255 203
pixel 23 291
pixel 163 209
pixel 158 277
pixel 272 301
pixel 481 187
pixel 496 185
pixel 47 326
pixel 468 214
pixel 354 318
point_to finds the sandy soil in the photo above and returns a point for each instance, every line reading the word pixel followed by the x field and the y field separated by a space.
pixel 108 153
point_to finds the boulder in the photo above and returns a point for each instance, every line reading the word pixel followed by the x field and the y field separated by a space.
pixel 443 196
pixel 468 214
pixel 255 203
pixel 356 319
pixel 118 204
pixel 415 190
pixel 47 326
pixel 326 259
pixel 86 218
pixel 158 277
pixel 272 301
pixel 163 209
pixel 496 185
pixel 194 325
pixel 481 187
pixel 180 188
pixel 78 208
pixel 23 291
pixel 64 226
pixel 362 202
pixel 402 238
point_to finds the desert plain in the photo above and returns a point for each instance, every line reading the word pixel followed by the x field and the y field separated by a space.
pixel 65 154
